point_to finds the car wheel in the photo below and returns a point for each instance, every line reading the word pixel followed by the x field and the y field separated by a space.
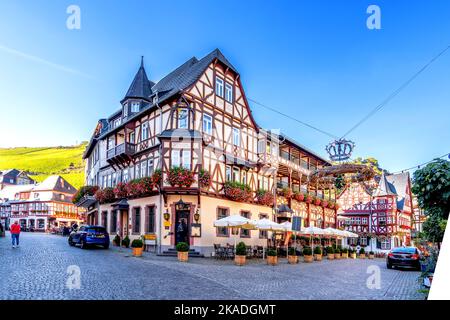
pixel 389 266
pixel 70 242
pixel 106 246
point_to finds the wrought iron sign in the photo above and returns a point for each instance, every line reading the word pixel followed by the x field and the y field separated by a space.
pixel 340 150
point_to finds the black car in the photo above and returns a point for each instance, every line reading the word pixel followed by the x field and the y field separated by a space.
pixel 404 257
pixel 89 235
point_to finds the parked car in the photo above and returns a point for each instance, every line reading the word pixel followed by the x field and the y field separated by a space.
pixel 89 236
pixel 404 257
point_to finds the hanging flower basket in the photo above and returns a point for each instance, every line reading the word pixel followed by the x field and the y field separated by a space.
pixel 204 178
pixel 135 189
pixel 309 199
pixel 105 195
pixel 157 177
pixel 265 197
pixel 299 196
pixel 180 177
pixel 84 191
pixel 120 191
pixel 317 201
pixel 324 203
pixel 287 193
pixel 237 191
pixel 331 205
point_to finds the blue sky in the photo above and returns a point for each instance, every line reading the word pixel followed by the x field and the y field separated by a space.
pixel 315 60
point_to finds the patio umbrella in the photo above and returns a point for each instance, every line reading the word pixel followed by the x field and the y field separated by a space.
pixel 267 225
pixel 234 221
pixel 315 231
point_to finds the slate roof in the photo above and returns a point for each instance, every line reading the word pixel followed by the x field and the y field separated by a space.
pixel 384 188
pixel 141 86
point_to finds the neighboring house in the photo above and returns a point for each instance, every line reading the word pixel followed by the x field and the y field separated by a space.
pixel 197 117
pixel 14 177
pixel 379 211
pixel 40 206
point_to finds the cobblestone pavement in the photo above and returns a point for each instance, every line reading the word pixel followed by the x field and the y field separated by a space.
pixel 38 270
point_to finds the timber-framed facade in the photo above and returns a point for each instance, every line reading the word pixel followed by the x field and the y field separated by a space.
pixel 197 118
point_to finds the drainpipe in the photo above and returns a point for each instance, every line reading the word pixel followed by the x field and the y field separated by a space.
pixel 160 166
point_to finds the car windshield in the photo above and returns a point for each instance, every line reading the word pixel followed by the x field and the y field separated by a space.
pixel 404 250
pixel 95 229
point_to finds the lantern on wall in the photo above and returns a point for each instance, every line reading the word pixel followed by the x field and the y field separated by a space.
pixel 166 215
pixel 181 205
pixel 196 216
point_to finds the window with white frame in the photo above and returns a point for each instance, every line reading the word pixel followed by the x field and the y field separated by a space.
pixel 228 175
pixel 186 161
pixel 364 220
pixel 228 92
pixel 132 137
pixel 182 118
pixel 236 176
pixel 109 180
pixel 143 168
pixel 386 244
pixel 150 167
pixel 219 87
pixel 244 176
pixel 236 137
pixel 111 142
pixel 207 124
pixel 363 241
pixel 117 122
pixel 137 173
pixel 175 158
pixel 125 175
pixel 135 106
pixel 114 179
pixel 125 110
pixel 144 133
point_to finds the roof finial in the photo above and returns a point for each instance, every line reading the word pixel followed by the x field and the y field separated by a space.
pixel 142 61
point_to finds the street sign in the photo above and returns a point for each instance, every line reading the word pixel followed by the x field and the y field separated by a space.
pixel 296 223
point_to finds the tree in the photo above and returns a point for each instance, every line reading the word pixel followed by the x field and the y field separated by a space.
pixel 371 162
pixel 431 185
pixel 434 228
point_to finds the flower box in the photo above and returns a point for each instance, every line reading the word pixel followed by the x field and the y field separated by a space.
pixel 237 191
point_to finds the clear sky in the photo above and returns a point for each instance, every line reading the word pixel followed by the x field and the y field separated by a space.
pixel 315 60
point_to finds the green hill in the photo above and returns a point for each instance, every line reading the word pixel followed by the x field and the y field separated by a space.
pixel 42 162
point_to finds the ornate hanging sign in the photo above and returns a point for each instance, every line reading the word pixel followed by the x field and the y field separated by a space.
pixel 340 150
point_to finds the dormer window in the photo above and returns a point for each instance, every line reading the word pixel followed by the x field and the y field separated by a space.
pixel 116 122
pixel 125 110
pixel 135 106
pixel 182 118
pixel 228 92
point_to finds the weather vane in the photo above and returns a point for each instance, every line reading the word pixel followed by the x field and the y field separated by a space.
pixel 340 150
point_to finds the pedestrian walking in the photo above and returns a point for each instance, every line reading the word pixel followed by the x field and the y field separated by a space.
pixel 15 232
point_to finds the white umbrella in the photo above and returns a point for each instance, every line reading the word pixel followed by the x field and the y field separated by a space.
pixel 287 226
pixel 234 221
pixel 268 225
pixel 315 231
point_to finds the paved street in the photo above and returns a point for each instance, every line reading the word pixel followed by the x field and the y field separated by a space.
pixel 38 270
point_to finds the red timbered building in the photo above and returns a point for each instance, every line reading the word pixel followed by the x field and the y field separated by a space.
pixel 196 118
pixel 379 211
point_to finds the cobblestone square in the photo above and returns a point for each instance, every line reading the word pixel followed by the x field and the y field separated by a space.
pixel 38 270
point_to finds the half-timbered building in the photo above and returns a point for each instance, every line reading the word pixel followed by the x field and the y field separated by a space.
pixel 197 118
pixel 380 211
pixel 40 206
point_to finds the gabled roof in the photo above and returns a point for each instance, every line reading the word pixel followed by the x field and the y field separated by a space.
pixel 384 188
pixel 141 86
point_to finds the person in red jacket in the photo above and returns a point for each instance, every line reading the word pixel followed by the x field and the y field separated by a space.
pixel 15 232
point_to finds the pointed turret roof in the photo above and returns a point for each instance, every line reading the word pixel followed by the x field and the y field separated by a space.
pixel 141 86
pixel 384 188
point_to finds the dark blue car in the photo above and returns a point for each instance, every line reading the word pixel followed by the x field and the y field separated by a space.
pixel 89 236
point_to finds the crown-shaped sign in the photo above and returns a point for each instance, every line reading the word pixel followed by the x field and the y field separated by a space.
pixel 340 150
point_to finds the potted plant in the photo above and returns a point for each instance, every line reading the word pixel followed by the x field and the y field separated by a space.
pixel 138 246
pixel 362 253
pixel 204 178
pixel 307 254
pixel 344 252
pixel 126 242
pixel 183 251
pixel 237 191
pixel 292 256
pixel 116 240
pixel 317 201
pixel 330 253
pixel 317 253
pixel 287 193
pixel 371 255
pixel 180 177
pixel 352 253
pixel 264 197
pixel 337 253
pixel 272 258
pixel 241 252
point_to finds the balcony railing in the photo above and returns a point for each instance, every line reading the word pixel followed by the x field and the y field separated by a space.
pixel 121 149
